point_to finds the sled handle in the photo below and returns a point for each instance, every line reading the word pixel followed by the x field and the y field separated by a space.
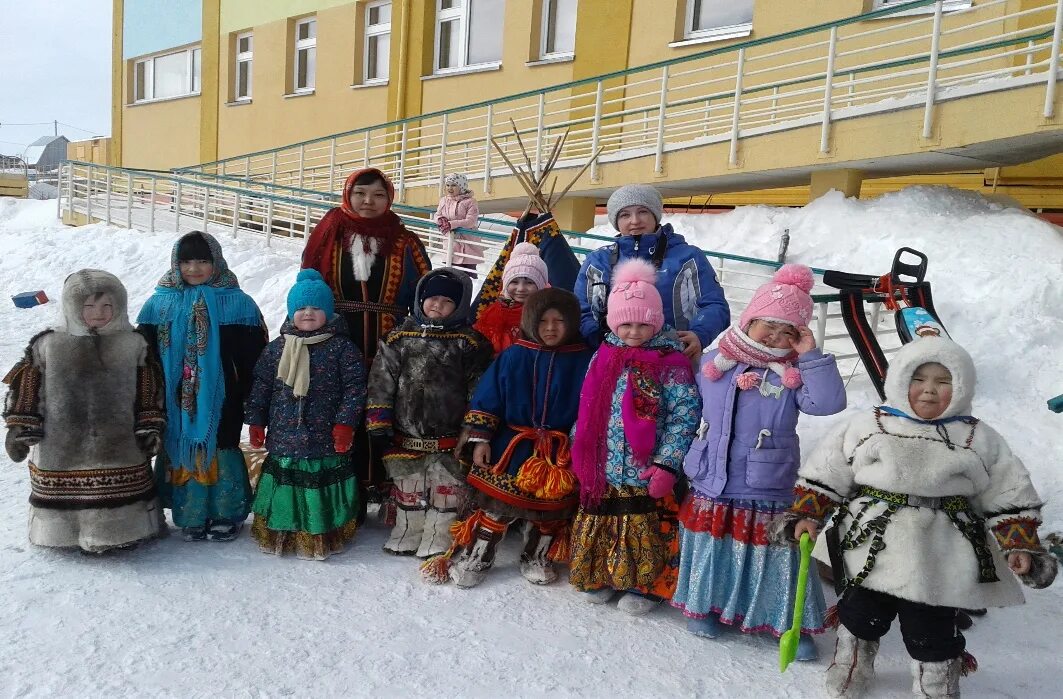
pixel 914 270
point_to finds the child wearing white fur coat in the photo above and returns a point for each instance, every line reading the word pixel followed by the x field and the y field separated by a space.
pixel 919 485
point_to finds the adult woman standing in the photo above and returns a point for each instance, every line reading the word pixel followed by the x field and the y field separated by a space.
pixel 372 264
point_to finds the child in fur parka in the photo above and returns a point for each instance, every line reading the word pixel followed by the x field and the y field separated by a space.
pixel 933 513
pixel 419 387
pixel 524 274
pixel 458 209
pixel 207 334
pixel 742 468
pixel 85 405
pixel 309 391
pixel 638 412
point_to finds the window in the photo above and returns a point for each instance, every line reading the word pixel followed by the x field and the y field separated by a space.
pixel 305 54
pixel 468 33
pixel 713 18
pixel 174 74
pixel 377 42
pixel 946 6
pixel 245 53
pixel 559 28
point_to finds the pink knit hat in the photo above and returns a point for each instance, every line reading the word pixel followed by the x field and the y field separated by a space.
pixel 634 298
pixel 784 299
pixel 524 261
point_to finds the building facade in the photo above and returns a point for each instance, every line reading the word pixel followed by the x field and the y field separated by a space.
pixel 202 80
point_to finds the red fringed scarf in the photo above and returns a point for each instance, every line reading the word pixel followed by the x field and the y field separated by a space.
pixel 341 224
pixel 638 410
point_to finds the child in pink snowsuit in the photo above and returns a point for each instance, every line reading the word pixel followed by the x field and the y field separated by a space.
pixel 458 209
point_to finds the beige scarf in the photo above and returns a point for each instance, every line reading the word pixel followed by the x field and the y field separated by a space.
pixel 294 366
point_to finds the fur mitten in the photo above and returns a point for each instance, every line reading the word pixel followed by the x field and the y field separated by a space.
pixel 1043 569
pixel 149 442
pixel 18 441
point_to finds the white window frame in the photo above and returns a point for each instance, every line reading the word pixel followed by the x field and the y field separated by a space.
pixel 544 33
pixel 947 6
pixel 462 15
pixel 244 57
pixel 310 46
pixel 373 30
pixel 193 61
pixel 726 32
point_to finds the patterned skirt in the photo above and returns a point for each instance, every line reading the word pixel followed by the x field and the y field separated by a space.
pixel 628 542
pixel 729 568
pixel 306 506
pixel 219 492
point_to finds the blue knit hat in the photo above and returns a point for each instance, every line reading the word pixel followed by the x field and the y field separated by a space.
pixel 311 290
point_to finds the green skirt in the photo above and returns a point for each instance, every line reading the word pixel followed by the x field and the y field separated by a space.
pixel 309 496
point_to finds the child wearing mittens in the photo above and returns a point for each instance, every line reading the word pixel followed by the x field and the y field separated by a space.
pixel 743 465
pixel 638 412
pixel 307 398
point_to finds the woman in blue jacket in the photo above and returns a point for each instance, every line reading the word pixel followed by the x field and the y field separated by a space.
pixel 694 303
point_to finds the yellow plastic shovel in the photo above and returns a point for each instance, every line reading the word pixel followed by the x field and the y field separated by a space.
pixel 789 640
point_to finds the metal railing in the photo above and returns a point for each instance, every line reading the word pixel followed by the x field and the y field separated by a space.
pixel 154 201
pixel 814 76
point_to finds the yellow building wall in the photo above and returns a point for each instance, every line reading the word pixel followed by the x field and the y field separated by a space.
pixel 94 150
pixel 161 135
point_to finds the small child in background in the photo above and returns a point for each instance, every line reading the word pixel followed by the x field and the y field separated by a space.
pixel 419 388
pixel 919 485
pixel 208 334
pixel 524 274
pixel 85 405
pixel 638 412
pixel 458 209
pixel 309 393
pixel 742 468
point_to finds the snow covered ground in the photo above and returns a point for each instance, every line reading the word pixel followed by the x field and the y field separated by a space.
pixel 178 619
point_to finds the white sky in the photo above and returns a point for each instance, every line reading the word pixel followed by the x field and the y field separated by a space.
pixel 55 63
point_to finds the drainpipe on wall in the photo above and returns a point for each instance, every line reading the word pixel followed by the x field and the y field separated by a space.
pixel 404 59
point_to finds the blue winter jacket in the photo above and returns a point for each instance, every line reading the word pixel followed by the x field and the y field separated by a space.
pixel 693 298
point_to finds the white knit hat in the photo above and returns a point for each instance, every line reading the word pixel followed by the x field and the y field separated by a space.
pixel 632 195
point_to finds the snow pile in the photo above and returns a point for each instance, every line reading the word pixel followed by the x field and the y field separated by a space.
pixel 177 619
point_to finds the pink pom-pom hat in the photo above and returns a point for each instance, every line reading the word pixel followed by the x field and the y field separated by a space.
pixel 785 299
pixel 634 298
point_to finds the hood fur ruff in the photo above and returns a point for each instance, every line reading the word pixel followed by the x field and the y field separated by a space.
pixel 543 300
pixel 460 314
pixel 922 351
pixel 85 283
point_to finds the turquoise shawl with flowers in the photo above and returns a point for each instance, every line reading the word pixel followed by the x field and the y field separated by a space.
pixel 188 318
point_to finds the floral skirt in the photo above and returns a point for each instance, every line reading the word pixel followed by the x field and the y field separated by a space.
pixel 306 506
pixel 220 492
pixel 628 542
pixel 728 567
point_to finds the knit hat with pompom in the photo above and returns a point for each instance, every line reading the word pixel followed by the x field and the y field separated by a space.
pixel 785 299
pixel 524 261
pixel 634 298
pixel 310 289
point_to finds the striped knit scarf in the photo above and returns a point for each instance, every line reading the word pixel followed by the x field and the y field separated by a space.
pixel 737 348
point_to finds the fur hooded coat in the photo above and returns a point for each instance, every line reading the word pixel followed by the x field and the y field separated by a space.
pixel 925 556
pixel 85 406
pixel 425 373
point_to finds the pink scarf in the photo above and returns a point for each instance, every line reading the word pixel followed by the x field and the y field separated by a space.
pixel 736 348
pixel 638 408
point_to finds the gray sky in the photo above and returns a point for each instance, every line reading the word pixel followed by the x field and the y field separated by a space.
pixel 60 52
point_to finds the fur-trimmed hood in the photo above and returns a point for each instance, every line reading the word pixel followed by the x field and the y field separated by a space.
pixel 460 316
pixel 922 351
pixel 84 284
pixel 543 300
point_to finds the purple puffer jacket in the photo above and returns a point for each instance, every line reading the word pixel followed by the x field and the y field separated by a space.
pixel 750 449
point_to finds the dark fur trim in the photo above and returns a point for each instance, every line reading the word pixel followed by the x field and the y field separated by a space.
pixel 1043 569
pixel 542 301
